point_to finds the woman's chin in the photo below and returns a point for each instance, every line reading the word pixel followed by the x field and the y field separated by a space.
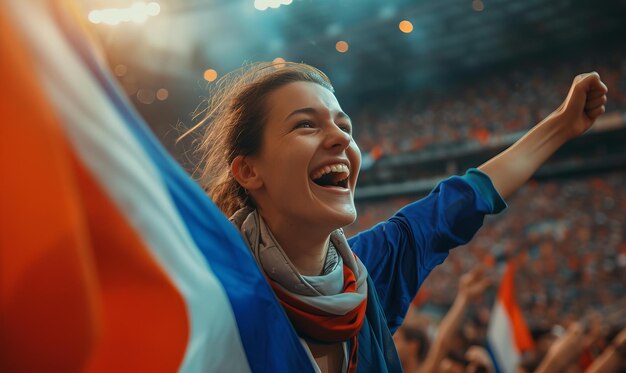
pixel 342 218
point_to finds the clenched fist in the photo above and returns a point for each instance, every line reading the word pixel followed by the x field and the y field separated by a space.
pixel 584 103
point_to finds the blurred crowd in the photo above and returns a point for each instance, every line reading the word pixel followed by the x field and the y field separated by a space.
pixel 492 105
pixel 568 238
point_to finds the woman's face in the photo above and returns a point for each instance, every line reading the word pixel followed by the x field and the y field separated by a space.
pixel 309 161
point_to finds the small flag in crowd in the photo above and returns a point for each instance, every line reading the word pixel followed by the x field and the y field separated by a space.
pixel 507 335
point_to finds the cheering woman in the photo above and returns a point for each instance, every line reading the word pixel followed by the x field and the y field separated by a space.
pixel 279 158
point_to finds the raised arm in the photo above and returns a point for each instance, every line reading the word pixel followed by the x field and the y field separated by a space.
pixel 584 104
pixel 563 351
pixel 613 358
pixel 471 286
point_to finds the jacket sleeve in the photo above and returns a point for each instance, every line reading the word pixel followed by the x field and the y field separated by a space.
pixel 402 251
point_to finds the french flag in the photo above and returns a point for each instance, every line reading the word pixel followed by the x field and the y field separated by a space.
pixel 112 259
pixel 507 335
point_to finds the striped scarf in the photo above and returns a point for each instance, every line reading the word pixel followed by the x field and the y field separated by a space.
pixel 328 308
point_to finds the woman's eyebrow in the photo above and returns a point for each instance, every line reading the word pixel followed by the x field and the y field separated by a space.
pixel 306 110
pixel 343 115
pixel 312 111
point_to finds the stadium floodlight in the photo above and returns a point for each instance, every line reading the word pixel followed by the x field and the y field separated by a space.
pixel 261 4
pixel 274 4
pixel 138 12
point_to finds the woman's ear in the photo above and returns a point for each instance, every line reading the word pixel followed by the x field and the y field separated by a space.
pixel 244 172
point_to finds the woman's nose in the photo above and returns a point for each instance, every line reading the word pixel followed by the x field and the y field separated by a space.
pixel 337 138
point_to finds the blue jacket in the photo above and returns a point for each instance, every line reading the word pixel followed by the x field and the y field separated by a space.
pixel 401 252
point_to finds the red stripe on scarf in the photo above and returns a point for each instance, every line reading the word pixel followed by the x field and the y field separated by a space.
pixel 319 325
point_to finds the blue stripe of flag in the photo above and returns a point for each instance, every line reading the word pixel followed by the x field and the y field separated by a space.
pixel 270 342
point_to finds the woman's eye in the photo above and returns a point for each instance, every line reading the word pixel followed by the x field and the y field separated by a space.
pixel 304 124
pixel 345 128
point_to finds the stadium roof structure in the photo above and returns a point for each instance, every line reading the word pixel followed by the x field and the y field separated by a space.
pixel 444 38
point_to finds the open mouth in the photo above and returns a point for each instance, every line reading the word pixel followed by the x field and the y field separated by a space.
pixel 335 175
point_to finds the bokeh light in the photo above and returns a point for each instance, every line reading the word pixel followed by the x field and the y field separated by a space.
pixel 138 12
pixel 342 46
pixel 406 26
pixel 260 5
pixel 210 75
pixel 274 4
pixel 145 96
pixel 162 94
pixel 153 9
pixel 279 62
pixel 478 5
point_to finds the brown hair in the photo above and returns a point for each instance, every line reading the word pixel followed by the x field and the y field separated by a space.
pixel 236 117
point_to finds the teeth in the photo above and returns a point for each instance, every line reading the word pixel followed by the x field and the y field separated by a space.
pixel 337 167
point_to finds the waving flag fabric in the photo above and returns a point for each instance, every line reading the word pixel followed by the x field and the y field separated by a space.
pixel 112 258
pixel 507 334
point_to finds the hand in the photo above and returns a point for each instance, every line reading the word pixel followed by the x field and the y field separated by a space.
pixel 569 346
pixel 473 283
pixel 584 103
pixel 478 357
